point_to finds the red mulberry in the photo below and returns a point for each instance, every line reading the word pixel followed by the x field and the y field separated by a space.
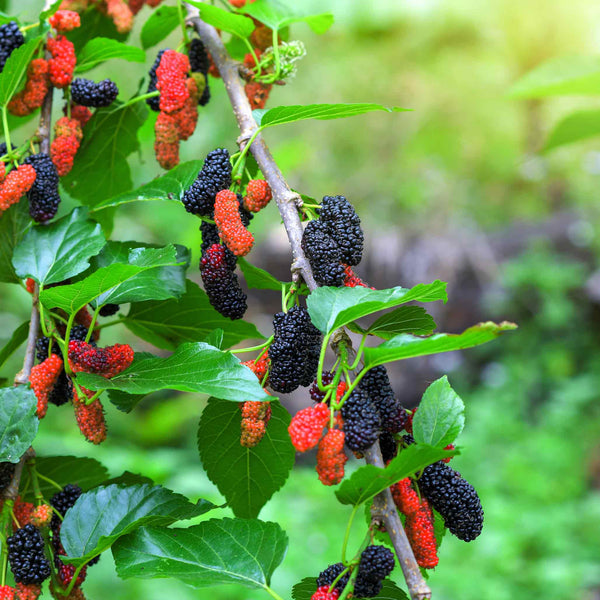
pixel 107 362
pixel 166 141
pixel 405 497
pixel 82 114
pixel 351 279
pixel 171 80
pixel 323 592
pixel 255 416
pixel 331 457
pixel 42 515
pixel 30 591
pixel 67 138
pixel 421 535
pixel 90 418
pixel 307 426
pixel 7 592
pixel 36 88
pixel 63 61
pixel 231 229
pixel 259 367
pixel 258 195
pixel 65 20
pixel 120 14
pixel 257 94
pixel 42 379
pixel 17 183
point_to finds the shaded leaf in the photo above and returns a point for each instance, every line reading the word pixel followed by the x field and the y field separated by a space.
pixel 441 415
pixel 194 367
pixel 560 76
pixel 16 339
pixel 258 278
pixel 204 555
pixel 50 11
pixel 53 253
pixel 169 186
pixel 102 515
pixel 277 16
pixel 407 346
pixel 368 481
pixel 94 25
pixel 405 319
pixel 577 126
pixel 110 137
pixel 159 25
pixel 18 422
pixel 13 224
pixel 100 49
pixel 223 19
pixel 331 307
pixel 15 68
pixel 166 324
pixel 247 477
pixel 123 401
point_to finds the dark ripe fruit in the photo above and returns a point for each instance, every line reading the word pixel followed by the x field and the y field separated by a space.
pixel 43 196
pixel 323 253
pixel 26 556
pixel 89 93
pixel 377 386
pixel 10 39
pixel 343 224
pixel 361 421
pixel 154 102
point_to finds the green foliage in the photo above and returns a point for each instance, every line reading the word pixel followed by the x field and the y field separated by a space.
pixel 13 224
pixel 405 319
pixel 247 477
pixel 97 50
pixel 224 20
pixel 259 279
pixel 577 126
pixel 18 422
pixel 18 336
pixel 15 68
pixel 278 16
pixel 304 590
pixel 104 514
pixel 159 25
pixel 201 555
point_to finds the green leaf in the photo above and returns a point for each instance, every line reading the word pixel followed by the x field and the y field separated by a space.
pixel 159 25
pixel 577 126
pixel 13 224
pixel 53 253
pixel 15 68
pixel 259 279
pixel 566 75
pixel 129 478
pixel 84 472
pixel 406 346
pixel 73 297
pixel 104 514
pixel 166 324
pixel 405 319
pixel 369 480
pixel 224 20
pixel 324 112
pixel 305 589
pixel 153 284
pixel 441 415
pixel 439 527
pixel 218 551
pixel 50 11
pixel 194 367
pixel 169 186
pixel 101 170
pixel 247 477
pixel 94 25
pixel 101 49
pixel 331 307
pixel 18 422
pixel 123 401
pixel 215 338
pixel 277 16
pixel 17 338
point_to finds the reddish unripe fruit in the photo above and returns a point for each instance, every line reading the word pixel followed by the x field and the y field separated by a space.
pixel 171 80
pixel 166 141
pixel 42 379
pixel 36 88
pixel 75 5
pixel 331 457
pixel 167 155
pixel 63 61
pixel 255 416
pixel 351 279
pixel 421 535
pixel 229 223
pixel 30 591
pixel 153 3
pixel 107 362
pixel 42 515
pixel 30 285
pixel 66 572
pixel 259 367
pixel 187 117
pixel 84 317
pixel 65 20
pixel 257 94
pixel 135 6
pixel 249 61
pixel 262 37
pixel 23 512
pixel 258 195
pixel 2 171
pixel 90 417
pixel 17 183
pixel 120 14
pixel 405 497
pixel 323 593
pixel 448 447
pixel 212 69
pixel 409 422
pixel 7 592
pixel 307 426
pixel 82 114
pixel 67 138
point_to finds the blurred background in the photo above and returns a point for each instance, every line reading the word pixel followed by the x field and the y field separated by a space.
pixel 458 189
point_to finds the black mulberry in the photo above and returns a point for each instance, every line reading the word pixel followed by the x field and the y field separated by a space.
pixel 388 445
pixel 154 102
pixel 315 393
pixel 7 470
pixel 108 310
pixel 343 224
pixel 323 253
pixel 376 562
pixel 199 63
pixel 215 175
pixel 361 421
pixel 62 391
pixel 376 384
pixel 221 283
pixel 89 93
pixel 43 196
pixel 10 39
pixel 454 498
pixel 62 501
pixel 26 556
pixel 328 576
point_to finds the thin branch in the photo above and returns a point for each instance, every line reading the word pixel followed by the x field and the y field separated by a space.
pixel 287 201
pixel 12 491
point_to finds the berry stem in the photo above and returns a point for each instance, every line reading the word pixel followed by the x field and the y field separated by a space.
pixel 111 323
pixel 94 397
pixel 253 348
pixel 277 74
pixel 186 39
pixel 347 533
pixel 256 61
pixel 359 352
pixel 134 100
pixel 349 588
pixel 324 345
pixel 65 347
pixel 92 324
pixel 272 593
pixel 240 163
pixel 30 26
pixel 6 131
pixel 50 481
pixel 35 482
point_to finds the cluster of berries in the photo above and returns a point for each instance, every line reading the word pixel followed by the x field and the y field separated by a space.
pixel 419 523
pixel 333 243
pixel 255 415
pixel 181 82
pixel 376 563
pixel 10 39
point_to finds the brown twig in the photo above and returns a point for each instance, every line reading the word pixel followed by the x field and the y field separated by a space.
pixel 287 201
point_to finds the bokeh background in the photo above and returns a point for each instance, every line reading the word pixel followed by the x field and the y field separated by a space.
pixel 458 189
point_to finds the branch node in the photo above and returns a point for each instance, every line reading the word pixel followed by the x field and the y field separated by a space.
pixel 244 138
